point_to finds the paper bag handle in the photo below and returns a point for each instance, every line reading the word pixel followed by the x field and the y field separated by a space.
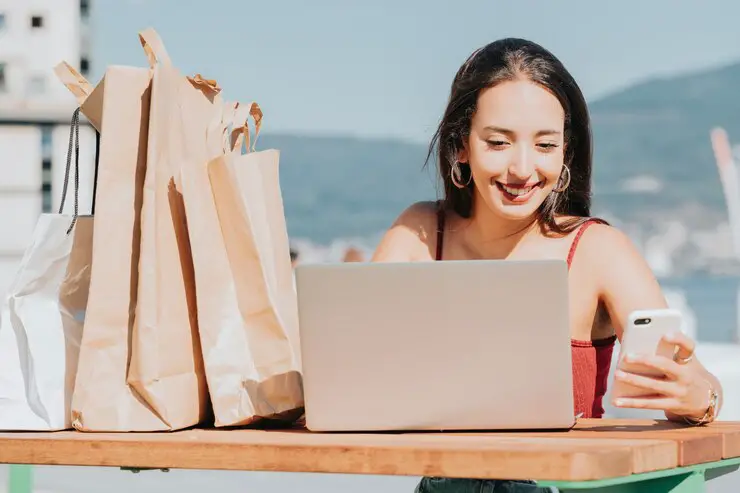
pixel 77 84
pixel 208 86
pixel 255 112
pixel 232 126
pixel 153 47
pixel 74 145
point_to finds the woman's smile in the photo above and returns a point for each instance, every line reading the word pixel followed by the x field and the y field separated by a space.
pixel 518 193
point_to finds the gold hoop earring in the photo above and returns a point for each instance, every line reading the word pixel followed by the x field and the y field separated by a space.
pixel 564 186
pixel 456 176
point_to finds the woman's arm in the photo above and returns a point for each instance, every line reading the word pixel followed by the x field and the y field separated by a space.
pixel 411 237
pixel 626 283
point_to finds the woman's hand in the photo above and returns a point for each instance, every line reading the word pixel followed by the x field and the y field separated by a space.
pixel 683 391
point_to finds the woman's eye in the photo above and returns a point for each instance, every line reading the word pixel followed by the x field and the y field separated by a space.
pixel 496 143
pixel 548 146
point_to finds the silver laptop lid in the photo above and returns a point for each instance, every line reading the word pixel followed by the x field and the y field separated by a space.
pixel 436 345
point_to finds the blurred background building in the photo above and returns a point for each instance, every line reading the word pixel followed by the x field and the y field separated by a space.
pixel 35 111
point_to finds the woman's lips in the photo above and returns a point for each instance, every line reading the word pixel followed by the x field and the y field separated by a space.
pixel 517 192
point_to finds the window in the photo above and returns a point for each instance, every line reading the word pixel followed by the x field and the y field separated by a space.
pixel 46 178
pixel 36 85
pixel 84 8
pixel 46 196
pixel 3 77
pixel 37 21
pixel 46 145
pixel 46 175
pixel 84 65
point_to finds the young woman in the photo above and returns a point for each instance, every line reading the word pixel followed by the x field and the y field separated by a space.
pixel 514 155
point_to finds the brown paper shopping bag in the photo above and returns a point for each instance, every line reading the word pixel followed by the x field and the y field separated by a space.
pixel 103 401
pixel 166 365
pixel 253 362
pixel 42 316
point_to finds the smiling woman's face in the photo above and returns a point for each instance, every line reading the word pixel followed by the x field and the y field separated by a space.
pixel 516 149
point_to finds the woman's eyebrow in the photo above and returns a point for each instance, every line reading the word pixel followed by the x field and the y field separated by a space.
pixel 506 131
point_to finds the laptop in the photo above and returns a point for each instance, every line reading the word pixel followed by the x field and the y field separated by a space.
pixel 454 345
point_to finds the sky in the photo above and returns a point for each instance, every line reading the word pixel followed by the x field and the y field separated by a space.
pixel 382 68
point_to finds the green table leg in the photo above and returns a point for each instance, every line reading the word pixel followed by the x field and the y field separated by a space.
pixel 684 483
pixel 681 480
pixel 20 479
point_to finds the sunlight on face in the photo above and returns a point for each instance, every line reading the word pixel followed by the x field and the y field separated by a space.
pixel 515 149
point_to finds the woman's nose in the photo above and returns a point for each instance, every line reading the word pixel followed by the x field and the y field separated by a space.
pixel 522 165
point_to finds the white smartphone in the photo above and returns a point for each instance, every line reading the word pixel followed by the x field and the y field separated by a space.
pixel 643 336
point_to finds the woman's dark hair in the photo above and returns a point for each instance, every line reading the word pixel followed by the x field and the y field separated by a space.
pixel 506 60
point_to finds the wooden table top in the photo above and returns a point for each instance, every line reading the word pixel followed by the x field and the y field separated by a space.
pixel 595 449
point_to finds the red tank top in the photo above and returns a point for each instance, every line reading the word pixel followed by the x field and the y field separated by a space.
pixel 591 359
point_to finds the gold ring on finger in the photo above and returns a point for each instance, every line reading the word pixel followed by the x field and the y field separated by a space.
pixel 682 361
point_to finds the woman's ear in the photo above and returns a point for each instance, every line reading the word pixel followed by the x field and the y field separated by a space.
pixel 462 154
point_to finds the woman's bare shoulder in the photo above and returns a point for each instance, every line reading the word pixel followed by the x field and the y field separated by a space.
pixel 614 259
pixel 603 241
pixel 413 235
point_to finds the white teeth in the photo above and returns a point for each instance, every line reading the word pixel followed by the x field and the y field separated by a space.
pixel 516 191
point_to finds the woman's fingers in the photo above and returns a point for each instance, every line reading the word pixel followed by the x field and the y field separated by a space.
pixel 667 367
pixel 685 346
pixel 654 402
pixel 656 385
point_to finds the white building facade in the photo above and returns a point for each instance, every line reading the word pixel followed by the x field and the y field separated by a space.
pixel 35 111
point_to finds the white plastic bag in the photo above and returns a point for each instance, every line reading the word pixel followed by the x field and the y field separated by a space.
pixel 41 320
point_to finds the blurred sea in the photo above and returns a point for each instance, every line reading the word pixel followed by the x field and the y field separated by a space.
pixel 709 303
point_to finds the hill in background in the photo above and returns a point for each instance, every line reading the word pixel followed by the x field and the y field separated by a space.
pixel 653 163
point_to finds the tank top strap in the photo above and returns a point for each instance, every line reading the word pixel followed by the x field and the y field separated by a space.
pixel 581 229
pixel 440 230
